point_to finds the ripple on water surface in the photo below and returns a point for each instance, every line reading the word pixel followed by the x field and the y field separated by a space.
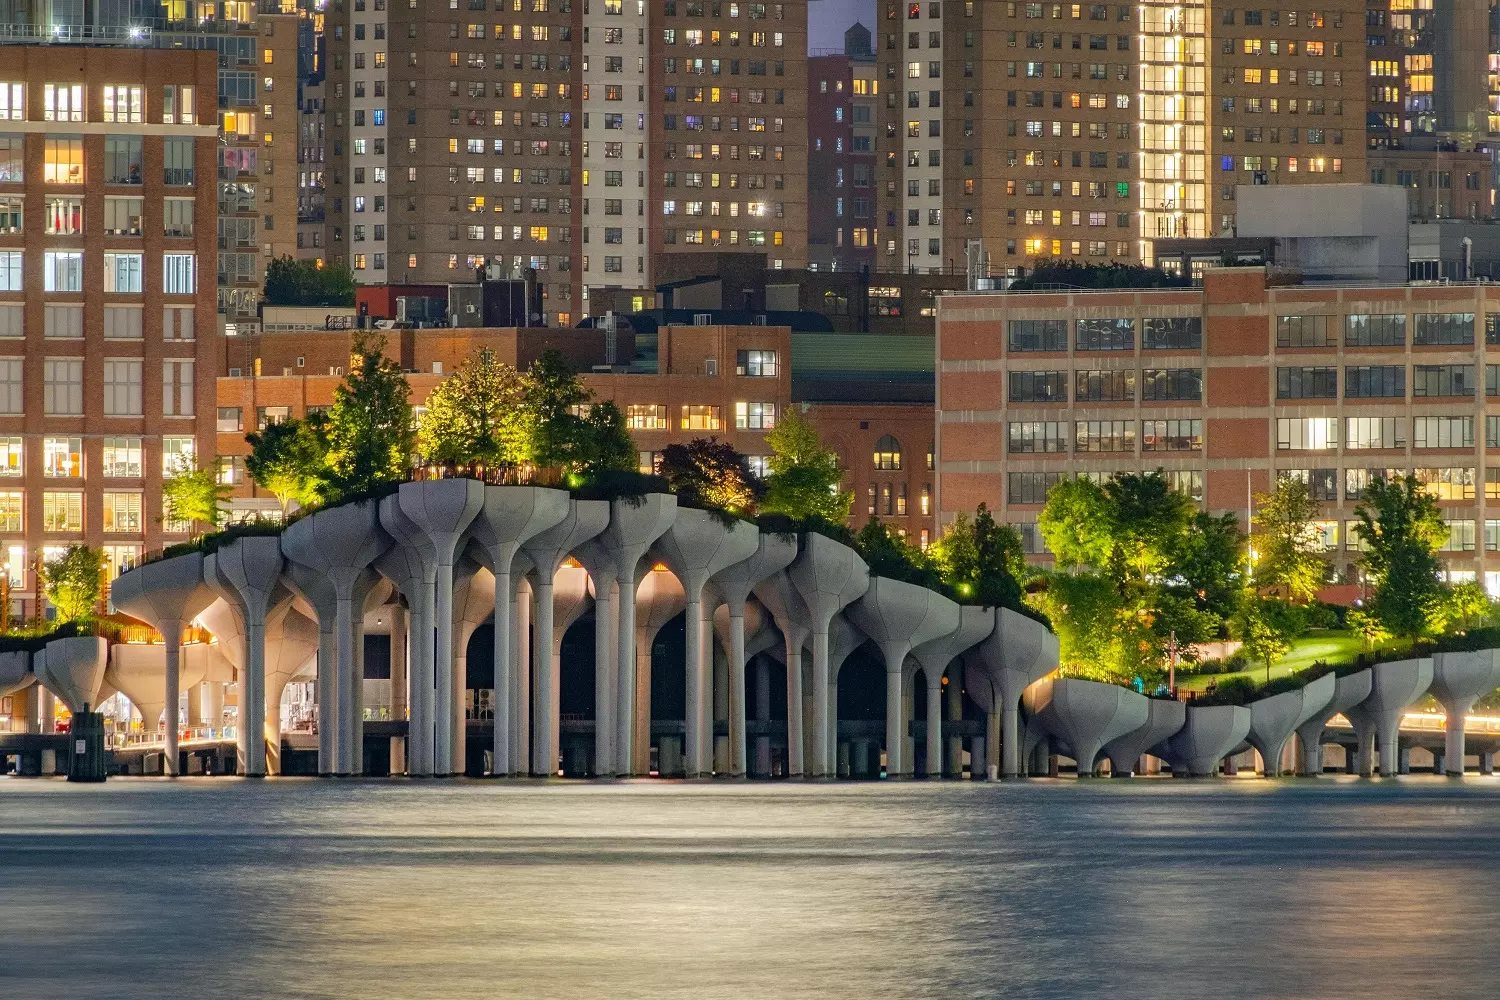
pixel 1142 889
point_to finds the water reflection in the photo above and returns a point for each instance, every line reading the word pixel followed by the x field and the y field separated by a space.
pixel 1145 889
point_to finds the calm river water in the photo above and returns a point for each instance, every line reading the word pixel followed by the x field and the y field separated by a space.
pixel 1144 889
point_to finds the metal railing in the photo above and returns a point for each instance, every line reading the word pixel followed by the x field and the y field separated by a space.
pixel 74 34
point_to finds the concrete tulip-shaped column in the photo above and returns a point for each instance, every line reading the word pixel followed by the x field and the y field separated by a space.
pixel 1393 687
pixel 547 550
pixel 984 751
pixel 328 556
pixel 1085 715
pixel 570 600
pixel 473 603
pixel 291 644
pixel 899 616
pixel 15 672
pixel 634 524
pixel 599 564
pixel 1348 691
pixel 843 640
pixel 509 516
pixel 733 633
pixel 659 598
pixel 1458 680
pixel 1205 738
pixel 431 517
pixel 406 567
pixel 166 595
pixel 1274 719
pixel 1019 652
pixel 697 545
pixel 773 553
pixel 829 576
pixel 1164 718
pixel 73 670
pixel 780 597
pixel 974 624
pixel 246 572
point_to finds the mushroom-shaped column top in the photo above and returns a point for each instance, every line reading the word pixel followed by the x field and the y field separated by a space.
pixel 781 598
pixel 1395 685
pixel 829 576
pixel 755 623
pixel 764 638
pixel 204 661
pixel 843 639
pixel 659 598
pixel 583 520
pixel 978 685
pixel 473 595
pixel 337 542
pixel 73 669
pixel 700 543
pixel 168 592
pixel 442 509
pixel 291 645
pixel 974 625
pixel 1018 652
pixel 1275 718
pixel 248 572
pixel 1085 714
pixel 140 672
pixel 634 523
pixel 1207 736
pixel 1459 678
pixel 1349 691
pixel 512 515
pixel 1164 718
pixel 224 620
pixel 899 616
pixel 773 553
pixel 15 672
pixel 570 597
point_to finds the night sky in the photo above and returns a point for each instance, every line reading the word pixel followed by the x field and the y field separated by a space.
pixel 828 19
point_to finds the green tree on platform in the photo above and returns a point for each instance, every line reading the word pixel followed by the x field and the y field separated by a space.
pixel 369 425
pixel 1402 528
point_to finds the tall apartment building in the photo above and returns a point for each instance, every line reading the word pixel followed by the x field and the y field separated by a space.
pixel 257 46
pixel 1085 131
pixel 575 139
pixel 842 90
pixel 107 301
pixel 1431 69
pixel 1226 387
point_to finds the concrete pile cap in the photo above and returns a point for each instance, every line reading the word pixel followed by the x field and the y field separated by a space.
pixel 634 524
pixel 15 672
pixel 1395 685
pixel 1018 652
pixel 974 626
pixel 1085 714
pixel 1274 719
pixel 658 599
pixel 570 597
pixel 1209 733
pixel 582 521
pixel 1164 719
pixel 699 544
pixel 781 598
pixel 337 540
pixel 899 616
pixel 773 553
pixel 163 592
pixel 512 515
pixel 829 576
pixel 1459 678
pixel 73 669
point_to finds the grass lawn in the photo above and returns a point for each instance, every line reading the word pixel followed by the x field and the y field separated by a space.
pixel 1330 646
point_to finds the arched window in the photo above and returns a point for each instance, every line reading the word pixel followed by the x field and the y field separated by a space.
pixel 888 453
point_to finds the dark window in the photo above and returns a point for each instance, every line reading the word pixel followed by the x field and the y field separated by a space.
pixel 1307 383
pixel 1375 382
pixel 1038 387
pixel 1106 335
pixel 1171 383
pixel 1301 331
pixel 1447 329
pixel 1442 380
pixel 1172 333
pixel 1374 331
pixel 1038 335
